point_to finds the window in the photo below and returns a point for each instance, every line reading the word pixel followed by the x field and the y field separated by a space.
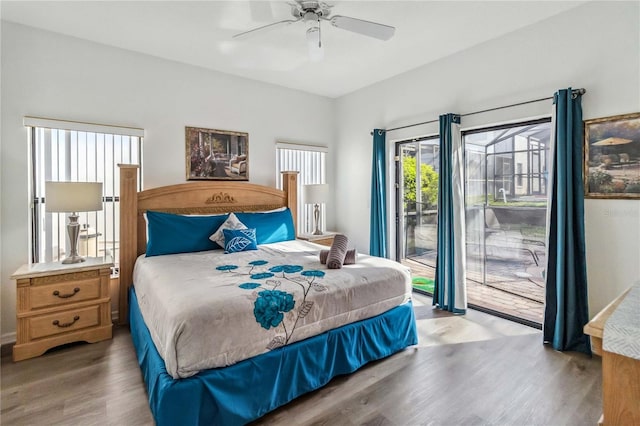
pixel 77 152
pixel 310 161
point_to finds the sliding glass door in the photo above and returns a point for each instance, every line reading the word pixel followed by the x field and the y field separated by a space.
pixel 417 163
pixel 506 211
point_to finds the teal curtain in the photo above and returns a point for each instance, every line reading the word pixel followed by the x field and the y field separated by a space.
pixel 378 224
pixel 449 291
pixel 566 308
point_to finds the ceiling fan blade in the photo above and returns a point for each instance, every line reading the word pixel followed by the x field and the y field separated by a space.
pixel 264 27
pixel 360 26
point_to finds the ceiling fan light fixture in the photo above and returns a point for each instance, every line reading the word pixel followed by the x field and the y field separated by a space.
pixel 314 36
pixel 314 44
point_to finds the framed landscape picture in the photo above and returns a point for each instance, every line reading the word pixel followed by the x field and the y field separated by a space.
pixel 612 157
pixel 216 154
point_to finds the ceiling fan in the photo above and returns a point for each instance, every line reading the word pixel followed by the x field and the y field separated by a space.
pixel 312 13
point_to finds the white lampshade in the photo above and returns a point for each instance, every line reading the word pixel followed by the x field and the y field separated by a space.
pixel 73 197
pixel 316 194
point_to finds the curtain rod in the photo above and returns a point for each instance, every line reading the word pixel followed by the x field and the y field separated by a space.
pixel 575 93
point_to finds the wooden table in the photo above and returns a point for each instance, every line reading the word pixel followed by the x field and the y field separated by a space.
pixel 61 303
pixel 620 374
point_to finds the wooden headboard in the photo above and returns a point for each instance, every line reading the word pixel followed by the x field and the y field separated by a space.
pixel 187 198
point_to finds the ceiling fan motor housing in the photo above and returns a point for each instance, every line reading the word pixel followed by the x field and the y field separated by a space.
pixel 310 17
pixel 303 9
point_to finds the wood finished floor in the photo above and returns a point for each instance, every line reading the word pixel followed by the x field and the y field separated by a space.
pixel 467 370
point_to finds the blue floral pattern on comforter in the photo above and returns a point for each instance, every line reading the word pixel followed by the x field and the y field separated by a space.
pixel 270 304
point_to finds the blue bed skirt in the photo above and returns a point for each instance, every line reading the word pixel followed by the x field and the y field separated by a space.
pixel 249 389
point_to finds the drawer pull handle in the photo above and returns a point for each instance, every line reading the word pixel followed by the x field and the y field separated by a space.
pixel 66 296
pixel 68 324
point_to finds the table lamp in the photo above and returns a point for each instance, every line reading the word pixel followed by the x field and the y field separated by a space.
pixel 73 197
pixel 316 194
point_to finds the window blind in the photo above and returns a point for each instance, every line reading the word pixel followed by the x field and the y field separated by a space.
pixel 310 162
pixel 78 152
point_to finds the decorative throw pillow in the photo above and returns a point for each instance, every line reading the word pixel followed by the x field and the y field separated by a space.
pixel 236 240
pixel 271 227
pixel 232 222
pixel 349 259
pixel 338 252
pixel 169 233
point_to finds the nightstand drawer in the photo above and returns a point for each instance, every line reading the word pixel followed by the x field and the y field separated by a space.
pixel 64 293
pixel 63 322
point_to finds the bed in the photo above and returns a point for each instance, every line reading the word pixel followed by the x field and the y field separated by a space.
pixel 177 316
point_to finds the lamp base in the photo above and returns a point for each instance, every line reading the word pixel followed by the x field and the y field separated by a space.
pixel 316 219
pixel 73 259
pixel 73 229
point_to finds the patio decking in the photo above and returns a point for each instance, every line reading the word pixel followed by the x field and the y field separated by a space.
pixel 511 292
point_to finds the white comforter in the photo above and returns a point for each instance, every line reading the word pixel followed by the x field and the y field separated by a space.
pixel 210 309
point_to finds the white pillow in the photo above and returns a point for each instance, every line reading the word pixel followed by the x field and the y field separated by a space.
pixel 232 222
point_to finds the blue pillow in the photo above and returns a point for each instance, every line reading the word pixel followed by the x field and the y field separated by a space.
pixel 173 233
pixel 236 240
pixel 271 227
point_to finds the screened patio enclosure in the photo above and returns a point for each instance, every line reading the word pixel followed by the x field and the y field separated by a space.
pixel 505 210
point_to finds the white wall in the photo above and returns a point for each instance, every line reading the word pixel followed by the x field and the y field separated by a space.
pixel 595 46
pixel 54 76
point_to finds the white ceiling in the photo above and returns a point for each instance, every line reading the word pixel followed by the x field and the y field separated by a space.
pixel 199 33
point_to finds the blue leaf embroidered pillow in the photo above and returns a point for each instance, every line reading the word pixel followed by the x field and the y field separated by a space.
pixel 236 240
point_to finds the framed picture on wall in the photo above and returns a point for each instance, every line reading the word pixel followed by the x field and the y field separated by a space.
pixel 216 154
pixel 612 157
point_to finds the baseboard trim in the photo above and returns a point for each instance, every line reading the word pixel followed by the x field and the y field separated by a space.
pixel 8 338
pixel 6 344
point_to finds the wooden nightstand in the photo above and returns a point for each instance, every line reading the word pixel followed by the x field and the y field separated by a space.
pixel 58 304
pixel 326 239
